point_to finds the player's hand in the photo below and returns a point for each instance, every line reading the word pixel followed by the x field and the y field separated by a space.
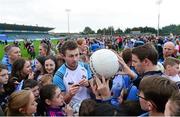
pixel 84 82
pixel 74 89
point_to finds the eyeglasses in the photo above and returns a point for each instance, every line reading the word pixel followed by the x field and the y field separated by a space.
pixel 138 95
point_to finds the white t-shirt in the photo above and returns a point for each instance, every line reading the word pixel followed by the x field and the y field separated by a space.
pixel 75 77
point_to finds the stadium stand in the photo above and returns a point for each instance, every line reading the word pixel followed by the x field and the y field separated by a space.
pixel 14 31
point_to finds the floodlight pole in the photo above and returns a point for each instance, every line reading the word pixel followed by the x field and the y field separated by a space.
pixel 68 10
pixel 158 3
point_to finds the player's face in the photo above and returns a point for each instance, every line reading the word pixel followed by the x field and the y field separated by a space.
pixel 72 57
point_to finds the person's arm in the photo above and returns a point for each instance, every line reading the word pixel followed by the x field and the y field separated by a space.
pixel 126 68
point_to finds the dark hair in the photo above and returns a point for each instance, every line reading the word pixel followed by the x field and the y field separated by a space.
pixel 127 55
pixel 104 109
pixel 157 89
pixel 68 45
pixel 29 83
pixel 130 108
pixel 2 66
pixel 46 92
pixel 146 51
pixel 41 59
pixel 86 107
pixel 53 58
pixel 17 68
pixel 175 104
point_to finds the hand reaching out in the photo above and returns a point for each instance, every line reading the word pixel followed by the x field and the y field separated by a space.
pixel 103 87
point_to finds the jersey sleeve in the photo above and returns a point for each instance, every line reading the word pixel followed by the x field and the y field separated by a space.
pixel 89 73
pixel 58 80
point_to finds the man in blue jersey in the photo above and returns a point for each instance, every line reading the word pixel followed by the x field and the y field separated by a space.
pixel 73 76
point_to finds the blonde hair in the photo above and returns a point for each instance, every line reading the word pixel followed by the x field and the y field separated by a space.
pixel 17 100
pixel 80 41
pixel 44 79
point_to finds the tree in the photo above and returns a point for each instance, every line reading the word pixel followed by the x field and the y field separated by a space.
pixel 128 30
pixel 99 31
pixel 88 30
pixel 118 31
pixel 110 30
pixel 175 29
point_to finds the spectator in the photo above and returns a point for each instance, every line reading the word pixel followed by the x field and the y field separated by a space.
pixel 44 49
pixel 21 71
pixel 168 50
pixel 45 79
pixel 171 66
pixel 104 109
pixel 3 81
pixel 33 86
pixel 87 106
pixel 154 94
pixel 52 101
pixel 50 65
pixel 13 54
pixel 173 105
pixel 39 67
pixel 81 45
pixel 21 103
pixel 144 59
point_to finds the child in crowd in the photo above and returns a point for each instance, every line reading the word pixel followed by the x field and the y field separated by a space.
pixel 173 105
pixel 50 65
pixel 171 66
pixel 21 70
pixel 3 76
pixel 21 103
pixel 33 85
pixel 52 101
pixel 38 67
pixel 87 106
pixel 45 80
pixel 3 80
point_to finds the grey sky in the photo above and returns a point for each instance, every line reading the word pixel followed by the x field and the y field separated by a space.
pixel 93 13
